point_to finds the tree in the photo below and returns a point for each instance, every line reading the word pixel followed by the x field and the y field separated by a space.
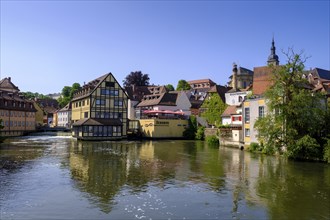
pixel 67 94
pixel 182 85
pixel 169 87
pixel 295 113
pixel 214 107
pixel 136 78
pixel 31 95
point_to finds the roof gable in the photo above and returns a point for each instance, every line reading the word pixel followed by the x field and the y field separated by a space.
pixel 7 85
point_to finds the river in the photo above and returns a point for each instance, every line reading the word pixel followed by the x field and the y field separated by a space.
pixel 58 177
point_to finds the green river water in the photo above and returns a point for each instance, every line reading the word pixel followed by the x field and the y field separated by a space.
pixel 58 177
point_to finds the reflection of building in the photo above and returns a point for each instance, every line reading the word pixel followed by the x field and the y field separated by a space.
pixel 17 113
pixel 99 110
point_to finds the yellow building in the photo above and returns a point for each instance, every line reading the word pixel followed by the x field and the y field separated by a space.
pixel 163 128
pixel 17 113
pixel 99 110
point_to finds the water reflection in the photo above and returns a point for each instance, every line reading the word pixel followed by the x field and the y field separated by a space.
pixel 156 179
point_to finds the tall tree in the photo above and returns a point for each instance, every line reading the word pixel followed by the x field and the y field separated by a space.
pixel 182 85
pixel 136 78
pixel 296 115
pixel 67 94
pixel 213 108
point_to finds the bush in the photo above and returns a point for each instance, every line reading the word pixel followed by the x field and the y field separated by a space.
pixel 305 148
pixel 212 140
pixel 254 147
pixel 200 133
pixel 326 154
pixel 189 132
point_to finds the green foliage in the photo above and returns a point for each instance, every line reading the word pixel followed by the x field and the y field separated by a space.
pixel 254 147
pixel 182 85
pixel 305 148
pixel 213 108
pixel 200 133
pixel 326 153
pixel 31 95
pixel 169 87
pixel 294 112
pixel 190 131
pixel 136 78
pixel 67 94
pixel 212 140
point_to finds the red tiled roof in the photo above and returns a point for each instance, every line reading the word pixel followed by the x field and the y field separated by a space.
pixel 230 110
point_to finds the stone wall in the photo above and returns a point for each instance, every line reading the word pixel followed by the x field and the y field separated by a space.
pixel 210 131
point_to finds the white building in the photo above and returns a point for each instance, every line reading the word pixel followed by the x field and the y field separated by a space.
pixel 64 116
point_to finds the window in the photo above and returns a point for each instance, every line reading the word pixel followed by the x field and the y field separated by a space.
pixel 247 115
pixel 109 84
pixel 247 132
pixel 261 111
pixel 105 92
pixel 100 101
pixel 236 118
pixel 85 114
pixel 118 102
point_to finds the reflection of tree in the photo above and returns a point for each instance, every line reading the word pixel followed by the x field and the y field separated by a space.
pixel 290 195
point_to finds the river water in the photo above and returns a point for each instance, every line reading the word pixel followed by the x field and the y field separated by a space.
pixel 58 177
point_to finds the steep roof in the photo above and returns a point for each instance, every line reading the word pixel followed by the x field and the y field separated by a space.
pixel 136 93
pixel 323 74
pixel 7 85
pixel 89 87
pixel 244 71
pixel 168 99
pixel 230 110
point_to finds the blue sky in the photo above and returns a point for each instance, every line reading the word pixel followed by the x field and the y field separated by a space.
pixel 46 45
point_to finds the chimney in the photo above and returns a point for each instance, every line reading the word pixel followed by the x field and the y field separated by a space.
pixel 9 79
pixel 234 79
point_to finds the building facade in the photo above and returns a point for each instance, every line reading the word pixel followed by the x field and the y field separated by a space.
pixel 99 110
pixel 64 116
pixel 16 112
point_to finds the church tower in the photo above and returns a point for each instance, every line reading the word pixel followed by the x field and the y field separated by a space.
pixel 273 58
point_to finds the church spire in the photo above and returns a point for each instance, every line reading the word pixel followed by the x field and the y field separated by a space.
pixel 273 58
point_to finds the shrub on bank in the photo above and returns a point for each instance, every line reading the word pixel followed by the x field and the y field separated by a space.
pixel 212 140
pixel 254 147
pixel 326 153
pixel 200 133
pixel 305 148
